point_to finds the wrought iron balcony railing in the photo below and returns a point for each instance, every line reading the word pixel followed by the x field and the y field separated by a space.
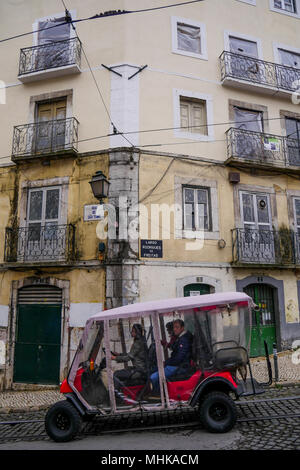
pixel 261 246
pixel 45 137
pixel 267 149
pixel 258 72
pixel 40 243
pixel 49 56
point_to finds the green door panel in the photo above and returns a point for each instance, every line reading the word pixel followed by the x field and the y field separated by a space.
pixel 37 348
pixel 263 321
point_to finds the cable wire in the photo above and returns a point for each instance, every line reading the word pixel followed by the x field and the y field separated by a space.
pixel 102 15
pixel 115 131
pixel 169 129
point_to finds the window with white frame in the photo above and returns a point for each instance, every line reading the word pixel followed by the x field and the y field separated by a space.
pixel 289 58
pixel 193 116
pixel 196 208
pixel 189 38
pixel 286 7
pixel 288 73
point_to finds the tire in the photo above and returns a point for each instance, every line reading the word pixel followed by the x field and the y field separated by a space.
pixel 218 412
pixel 62 422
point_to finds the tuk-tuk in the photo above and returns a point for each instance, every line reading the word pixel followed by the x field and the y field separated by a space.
pixel 161 355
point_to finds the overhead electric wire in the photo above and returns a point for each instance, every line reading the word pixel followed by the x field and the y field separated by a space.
pixel 174 128
pixel 102 15
pixel 115 131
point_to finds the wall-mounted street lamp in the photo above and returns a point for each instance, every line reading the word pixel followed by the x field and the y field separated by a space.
pixel 99 185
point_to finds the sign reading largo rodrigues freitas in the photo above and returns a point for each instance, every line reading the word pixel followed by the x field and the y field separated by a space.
pixel 151 249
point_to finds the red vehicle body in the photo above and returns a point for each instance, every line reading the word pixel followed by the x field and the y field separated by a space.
pixel 217 330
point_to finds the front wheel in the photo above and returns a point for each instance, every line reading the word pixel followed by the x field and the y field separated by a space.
pixel 218 412
pixel 62 422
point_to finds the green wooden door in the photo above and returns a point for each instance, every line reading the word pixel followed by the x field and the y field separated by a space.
pixel 263 320
pixel 196 289
pixel 37 347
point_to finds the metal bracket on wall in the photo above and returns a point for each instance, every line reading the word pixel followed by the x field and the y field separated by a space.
pixel 138 71
pixel 111 70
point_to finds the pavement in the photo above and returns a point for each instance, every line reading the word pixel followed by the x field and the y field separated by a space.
pixel 36 400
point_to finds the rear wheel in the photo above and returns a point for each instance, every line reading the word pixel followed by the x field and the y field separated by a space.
pixel 62 422
pixel 218 412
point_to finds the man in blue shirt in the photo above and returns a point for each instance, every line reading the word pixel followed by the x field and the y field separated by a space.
pixel 180 356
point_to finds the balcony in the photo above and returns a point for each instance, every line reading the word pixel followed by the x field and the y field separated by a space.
pixel 264 150
pixel 47 138
pixel 43 244
pixel 50 60
pixel 248 73
pixel 265 247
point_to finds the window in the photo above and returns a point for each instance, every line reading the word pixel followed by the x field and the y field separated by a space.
pixel 248 143
pixel 246 68
pixel 189 38
pixel 256 242
pixel 288 72
pixel 43 237
pixel 245 59
pixel 293 140
pixel 196 208
pixel 198 200
pixel 288 58
pixel 288 5
pixel 55 48
pixel 248 120
pixel 243 46
pixel 193 115
pixel 47 34
pixel 50 125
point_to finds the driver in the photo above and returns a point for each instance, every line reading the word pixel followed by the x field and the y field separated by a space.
pixel 180 356
pixel 137 355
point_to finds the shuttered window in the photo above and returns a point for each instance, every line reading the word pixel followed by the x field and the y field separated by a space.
pixel 196 208
pixel 287 5
pixel 193 116
pixel 44 294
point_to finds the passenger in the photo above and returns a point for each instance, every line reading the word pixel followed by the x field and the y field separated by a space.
pixel 137 355
pixel 180 356
pixel 169 327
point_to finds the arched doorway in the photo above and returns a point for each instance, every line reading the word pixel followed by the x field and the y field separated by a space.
pixel 38 335
pixel 263 320
pixel 197 289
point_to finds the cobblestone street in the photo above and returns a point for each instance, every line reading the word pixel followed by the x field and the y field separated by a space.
pixel 270 434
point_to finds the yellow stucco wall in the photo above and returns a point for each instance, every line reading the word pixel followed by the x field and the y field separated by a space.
pixel 143 39
pixel 13 180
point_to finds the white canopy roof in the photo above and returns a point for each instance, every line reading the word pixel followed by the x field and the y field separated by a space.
pixel 169 305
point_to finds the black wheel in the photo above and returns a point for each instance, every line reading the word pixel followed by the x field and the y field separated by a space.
pixel 218 412
pixel 62 421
